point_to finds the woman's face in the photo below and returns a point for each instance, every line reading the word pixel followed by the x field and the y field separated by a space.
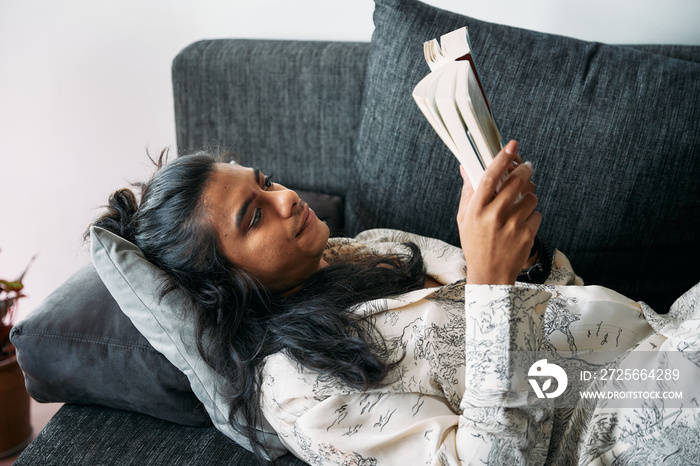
pixel 263 227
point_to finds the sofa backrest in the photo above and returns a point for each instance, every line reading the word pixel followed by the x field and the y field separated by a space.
pixel 290 108
pixel 613 133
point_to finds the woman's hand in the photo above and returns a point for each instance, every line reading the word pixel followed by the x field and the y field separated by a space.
pixel 496 229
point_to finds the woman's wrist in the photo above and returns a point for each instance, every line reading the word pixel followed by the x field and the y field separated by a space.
pixel 534 254
pixel 538 265
pixel 476 278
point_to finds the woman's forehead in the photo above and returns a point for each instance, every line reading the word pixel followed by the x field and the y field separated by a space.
pixel 232 166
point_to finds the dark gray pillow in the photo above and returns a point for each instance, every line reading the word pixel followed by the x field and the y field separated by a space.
pixel 79 347
pixel 613 132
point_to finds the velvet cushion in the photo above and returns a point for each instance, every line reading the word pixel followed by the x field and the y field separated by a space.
pixel 134 283
pixel 613 132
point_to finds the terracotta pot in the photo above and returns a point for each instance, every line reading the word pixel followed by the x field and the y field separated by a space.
pixel 15 425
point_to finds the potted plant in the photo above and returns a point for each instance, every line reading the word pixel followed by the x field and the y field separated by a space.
pixel 15 425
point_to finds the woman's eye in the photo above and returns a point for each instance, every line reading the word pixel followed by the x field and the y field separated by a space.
pixel 268 182
pixel 256 218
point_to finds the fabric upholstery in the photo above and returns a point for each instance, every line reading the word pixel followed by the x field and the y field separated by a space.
pixel 613 133
pixel 75 434
pixel 79 347
pixel 290 108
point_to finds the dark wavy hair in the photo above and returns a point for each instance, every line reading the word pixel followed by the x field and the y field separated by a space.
pixel 239 323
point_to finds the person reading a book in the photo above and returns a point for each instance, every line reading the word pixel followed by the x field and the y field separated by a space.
pixel 386 348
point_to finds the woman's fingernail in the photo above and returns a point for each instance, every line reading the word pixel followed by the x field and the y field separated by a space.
pixel 512 148
pixel 529 165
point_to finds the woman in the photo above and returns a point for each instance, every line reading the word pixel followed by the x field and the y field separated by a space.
pixel 305 333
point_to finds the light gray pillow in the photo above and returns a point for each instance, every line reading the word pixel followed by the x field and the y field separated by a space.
pixel 134 282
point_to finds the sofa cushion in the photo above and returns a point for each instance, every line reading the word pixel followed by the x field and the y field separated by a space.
pixel 135 283
pixel 79 347
pixel 613 133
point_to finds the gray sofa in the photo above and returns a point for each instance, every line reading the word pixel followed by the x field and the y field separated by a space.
pixel 613 132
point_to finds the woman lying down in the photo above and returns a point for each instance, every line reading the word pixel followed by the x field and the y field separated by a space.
pixel 392 349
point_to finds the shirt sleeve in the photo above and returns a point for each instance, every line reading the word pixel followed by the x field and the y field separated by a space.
pixel 493 425
pixel 504 329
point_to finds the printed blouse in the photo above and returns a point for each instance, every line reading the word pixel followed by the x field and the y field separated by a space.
pixel 468 390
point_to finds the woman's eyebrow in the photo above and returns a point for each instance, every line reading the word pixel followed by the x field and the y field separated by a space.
pixel 244 208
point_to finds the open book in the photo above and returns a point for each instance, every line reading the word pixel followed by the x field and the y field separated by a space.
pixel 452 99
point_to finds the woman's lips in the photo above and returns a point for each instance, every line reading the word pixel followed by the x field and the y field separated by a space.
pixel 308 220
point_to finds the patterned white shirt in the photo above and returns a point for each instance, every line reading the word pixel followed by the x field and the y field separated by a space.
pixel 461 394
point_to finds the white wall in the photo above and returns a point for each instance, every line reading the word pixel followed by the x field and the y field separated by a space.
pixel 85 90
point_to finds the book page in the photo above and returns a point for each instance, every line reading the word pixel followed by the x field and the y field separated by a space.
pixel 467 152
pixel 484 116
pixel 453 101
pixel 452 46
pixel 477 117
pixel 424 95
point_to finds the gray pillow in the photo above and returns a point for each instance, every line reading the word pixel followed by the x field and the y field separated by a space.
pixel 134 283
pixel 79 347
pixel 613 132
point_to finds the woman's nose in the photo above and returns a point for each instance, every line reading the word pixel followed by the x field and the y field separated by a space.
pixel 284 201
